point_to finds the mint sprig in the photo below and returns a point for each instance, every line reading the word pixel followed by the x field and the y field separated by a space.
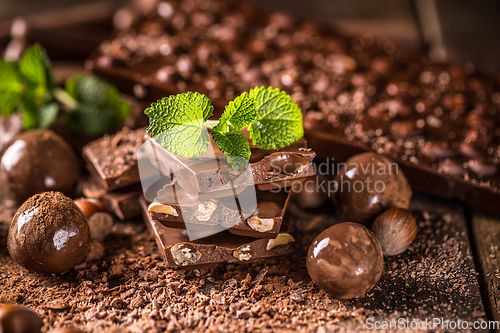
pixel 176 123
pixel 279 119
pixel 11 87
pixel 271 116
pixel 90 105
pixel 96 107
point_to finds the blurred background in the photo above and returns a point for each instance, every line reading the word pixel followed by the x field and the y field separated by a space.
pixel 455 30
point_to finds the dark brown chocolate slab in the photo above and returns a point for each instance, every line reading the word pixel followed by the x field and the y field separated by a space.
pixel 440 121
pixel 268 215
pixel 426 178
pixel 273 168
pixel 224 247
pixel 112 159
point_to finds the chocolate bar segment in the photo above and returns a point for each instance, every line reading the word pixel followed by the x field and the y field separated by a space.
pixel 174 208
pixel 112 159
pixel 223 247
pixel 207 177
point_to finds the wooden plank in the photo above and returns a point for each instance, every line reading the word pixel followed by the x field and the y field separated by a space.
pixel 486 235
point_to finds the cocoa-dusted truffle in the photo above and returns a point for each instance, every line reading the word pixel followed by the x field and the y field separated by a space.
pixel 49 234
pixel 38 161
pixel 345 260
pixel 367 185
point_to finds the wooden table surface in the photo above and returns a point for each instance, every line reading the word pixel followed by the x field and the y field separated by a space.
pixel 451 271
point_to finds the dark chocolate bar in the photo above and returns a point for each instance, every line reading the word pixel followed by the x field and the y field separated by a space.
pixel 261 221
pixel 209 177
pixel 439 121
pixel 223 247
pixel 112 159
pixel 123 202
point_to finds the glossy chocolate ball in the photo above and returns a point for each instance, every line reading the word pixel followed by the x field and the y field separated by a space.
pixel 367 185
pixel 19 319
pixel 38 161
pixel 345 260
pixel 49 234
pixel 395 229
pixel 311 193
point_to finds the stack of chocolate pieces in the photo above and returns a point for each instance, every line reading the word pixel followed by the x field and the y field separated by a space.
pixel 201 211
pixel 115 180
pixel 209 213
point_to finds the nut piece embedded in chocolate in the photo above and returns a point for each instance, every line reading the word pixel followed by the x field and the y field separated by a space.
pixel 205 210
pixel 19 319
pixel 368 184
pixel 260 224
pixel 38 161
pixel 184 254
pixel 49 234
pixel 156 207
pixel 243 253
pixel 345 260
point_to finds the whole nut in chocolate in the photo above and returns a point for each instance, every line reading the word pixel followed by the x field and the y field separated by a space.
pixel 49 234
pixel 368 184
pixel 345 260
pixel 395 229
pixel 19 319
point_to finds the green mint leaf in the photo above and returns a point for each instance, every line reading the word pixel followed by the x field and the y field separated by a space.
pixel 91 119
pixel 235 146
pixel 99 106
pixel 30 114
pixel 49 72
pixel 47 114
pixel 238 114
pixel 279 119
pixel 11 87
pixel 176 123
pixel 32 69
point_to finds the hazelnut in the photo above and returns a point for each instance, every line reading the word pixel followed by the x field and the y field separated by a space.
pixel 243 253
pixel 260 225
pixel 19 319
pixel 281 239
pixel 205 210
pixel 89 206
pixel 184 254
pixel 395 230
pixel 99 220
pixel 156 207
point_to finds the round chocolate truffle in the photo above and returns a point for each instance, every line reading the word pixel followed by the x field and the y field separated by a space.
pixel 38 161
pixel 367 185
pixel 345 260
pixel 312 193
pixel 19 319
pixel 49 234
